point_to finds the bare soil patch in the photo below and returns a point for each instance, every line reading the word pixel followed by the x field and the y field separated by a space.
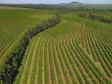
pixel 2 7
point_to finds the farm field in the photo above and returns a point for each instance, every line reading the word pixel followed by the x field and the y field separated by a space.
pixel 76 51
pixel 99 6
pixel 106 15
pixel 13 22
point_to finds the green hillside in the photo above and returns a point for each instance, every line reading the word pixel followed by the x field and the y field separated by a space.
pixel 13 22
pixel 76 51
pixel 59 45
pixel 100 6
pixel 90 6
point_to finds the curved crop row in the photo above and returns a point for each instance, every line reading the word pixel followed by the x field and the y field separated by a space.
pixel 56 57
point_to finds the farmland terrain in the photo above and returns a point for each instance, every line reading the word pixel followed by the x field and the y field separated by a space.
pixel 76 51
pixel 67 5
pixel 15 21
pixel 39 47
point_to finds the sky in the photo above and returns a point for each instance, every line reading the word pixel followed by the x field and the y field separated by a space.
pixel 54 1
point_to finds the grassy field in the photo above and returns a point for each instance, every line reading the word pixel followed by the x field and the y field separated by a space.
pixel 100 6
pixel 106 15
pixel 15 21
pixel 76 51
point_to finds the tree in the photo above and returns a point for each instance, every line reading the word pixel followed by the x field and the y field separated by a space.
pixel 58 17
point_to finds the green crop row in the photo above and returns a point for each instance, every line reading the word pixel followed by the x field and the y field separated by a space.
pixel 70 60
pixel 2 46
pixel 46 61
pixel 102 60
pixel 78 74
pixel 31 74
pixel 83 41
pixel 5 48
pixel 103 53
pixel 51 61
pixel 36 77
pixel 83 72
pixel 107 51
pixel 61 60
pixel 107 39
pixel 65 54
pixel 79 40
pixel 56 62
pixel 107 43
pixel 81 51
pixel 83 64
pixel 41 64
pixel 92 46
pixel 86 42
pixel 95 70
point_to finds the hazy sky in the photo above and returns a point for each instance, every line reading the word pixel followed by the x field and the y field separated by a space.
pixel 56 1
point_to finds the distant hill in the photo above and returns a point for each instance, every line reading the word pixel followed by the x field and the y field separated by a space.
pixel 71 5
pixel 75 2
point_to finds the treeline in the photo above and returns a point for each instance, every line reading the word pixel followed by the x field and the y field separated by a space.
pixel 96 17
pixel 92 11
pixel 34 6
pixel 10 62
pixel 62 9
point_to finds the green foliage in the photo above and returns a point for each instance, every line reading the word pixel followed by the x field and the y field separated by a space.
pixel 70 52
pixel 11 60
pixel 83 15
pixel 69 61
pixel 96 17
pixel 13 22
pixel 102 19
